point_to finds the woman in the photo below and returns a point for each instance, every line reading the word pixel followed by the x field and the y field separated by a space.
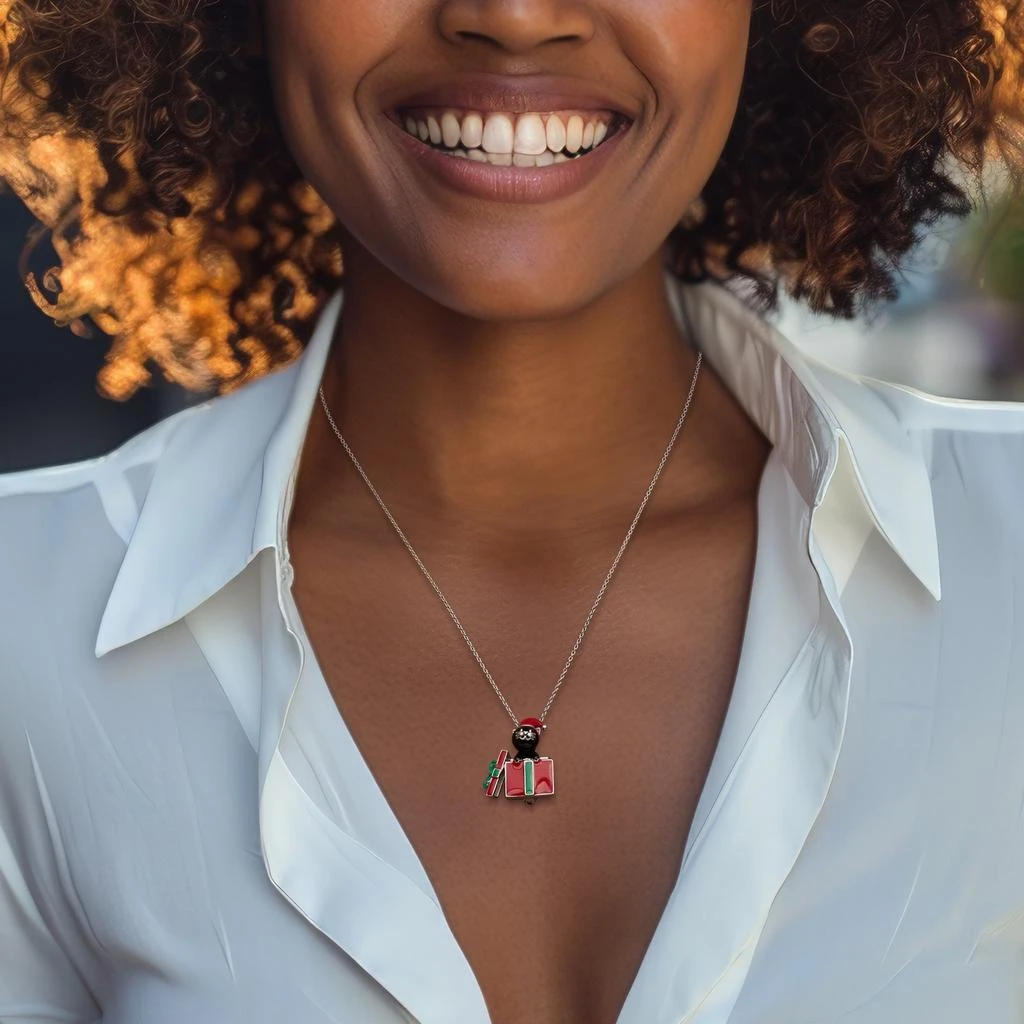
pixel 256 662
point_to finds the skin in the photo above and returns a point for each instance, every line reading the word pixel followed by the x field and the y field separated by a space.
pixel 509 374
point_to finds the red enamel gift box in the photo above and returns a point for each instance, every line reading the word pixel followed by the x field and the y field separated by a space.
pixel 526 778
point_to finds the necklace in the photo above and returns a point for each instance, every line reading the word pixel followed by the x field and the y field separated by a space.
pixel 526 775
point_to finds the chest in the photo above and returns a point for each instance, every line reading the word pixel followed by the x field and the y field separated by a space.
pixel 554 903
pixel 904 903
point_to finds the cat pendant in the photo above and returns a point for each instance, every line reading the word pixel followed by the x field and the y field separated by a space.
pixel 525 776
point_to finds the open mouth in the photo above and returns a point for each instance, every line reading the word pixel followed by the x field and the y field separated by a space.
pixel 508 139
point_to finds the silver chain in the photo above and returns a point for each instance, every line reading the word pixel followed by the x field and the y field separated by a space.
pixel 604 586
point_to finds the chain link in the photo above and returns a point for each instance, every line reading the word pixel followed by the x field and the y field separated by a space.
pixel 604 585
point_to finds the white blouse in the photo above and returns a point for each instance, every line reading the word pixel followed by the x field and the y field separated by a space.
pixel 188 832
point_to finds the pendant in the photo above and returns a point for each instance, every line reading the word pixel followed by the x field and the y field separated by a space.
pixel 527 775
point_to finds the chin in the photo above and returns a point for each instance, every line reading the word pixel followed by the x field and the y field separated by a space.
pixel 515 303
pixel 515 291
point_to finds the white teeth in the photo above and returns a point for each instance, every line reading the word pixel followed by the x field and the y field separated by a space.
pixel 545 159
pixel 472 131
pixel 574 134
pixel 505 140
pixel 451 130
pixel 499 135
pixel 531 138
pixel 555 134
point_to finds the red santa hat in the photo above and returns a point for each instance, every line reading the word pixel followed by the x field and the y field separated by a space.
pixel 533 723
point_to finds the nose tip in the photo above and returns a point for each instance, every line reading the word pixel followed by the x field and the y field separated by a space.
pixel 515 26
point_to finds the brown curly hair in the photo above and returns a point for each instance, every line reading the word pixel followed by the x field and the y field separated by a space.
pixel 141 134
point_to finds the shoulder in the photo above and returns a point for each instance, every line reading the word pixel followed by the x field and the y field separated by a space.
pixel 64 531
pixel 68 477
pixel 985 439
pixel 968 454
pixel 920 411
pixel 890 427
pixel 54 519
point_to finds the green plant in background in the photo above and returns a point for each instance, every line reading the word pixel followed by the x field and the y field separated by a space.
pixel 998 245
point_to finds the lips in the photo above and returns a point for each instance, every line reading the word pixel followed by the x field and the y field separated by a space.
pixel 577 129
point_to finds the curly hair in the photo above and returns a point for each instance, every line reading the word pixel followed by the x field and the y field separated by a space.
pixel 141 135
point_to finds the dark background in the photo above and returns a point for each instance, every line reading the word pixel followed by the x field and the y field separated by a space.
pixel 50 410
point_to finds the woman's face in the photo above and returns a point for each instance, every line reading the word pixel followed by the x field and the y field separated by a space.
pixel 543 230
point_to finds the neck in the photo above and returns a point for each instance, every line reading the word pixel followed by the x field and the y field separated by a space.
pixel 516 424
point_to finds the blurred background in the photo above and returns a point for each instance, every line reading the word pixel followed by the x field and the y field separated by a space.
pixel 957 330
pixel 958 327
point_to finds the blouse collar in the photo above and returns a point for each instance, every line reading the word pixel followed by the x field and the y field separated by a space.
pixel 221 487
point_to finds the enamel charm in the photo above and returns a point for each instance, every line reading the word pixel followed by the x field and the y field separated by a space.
pixel 527 775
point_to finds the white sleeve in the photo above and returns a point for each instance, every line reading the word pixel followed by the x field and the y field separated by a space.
pixel 38 983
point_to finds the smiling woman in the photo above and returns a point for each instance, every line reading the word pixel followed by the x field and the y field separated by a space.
pixel 834 157
pixel 762 615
